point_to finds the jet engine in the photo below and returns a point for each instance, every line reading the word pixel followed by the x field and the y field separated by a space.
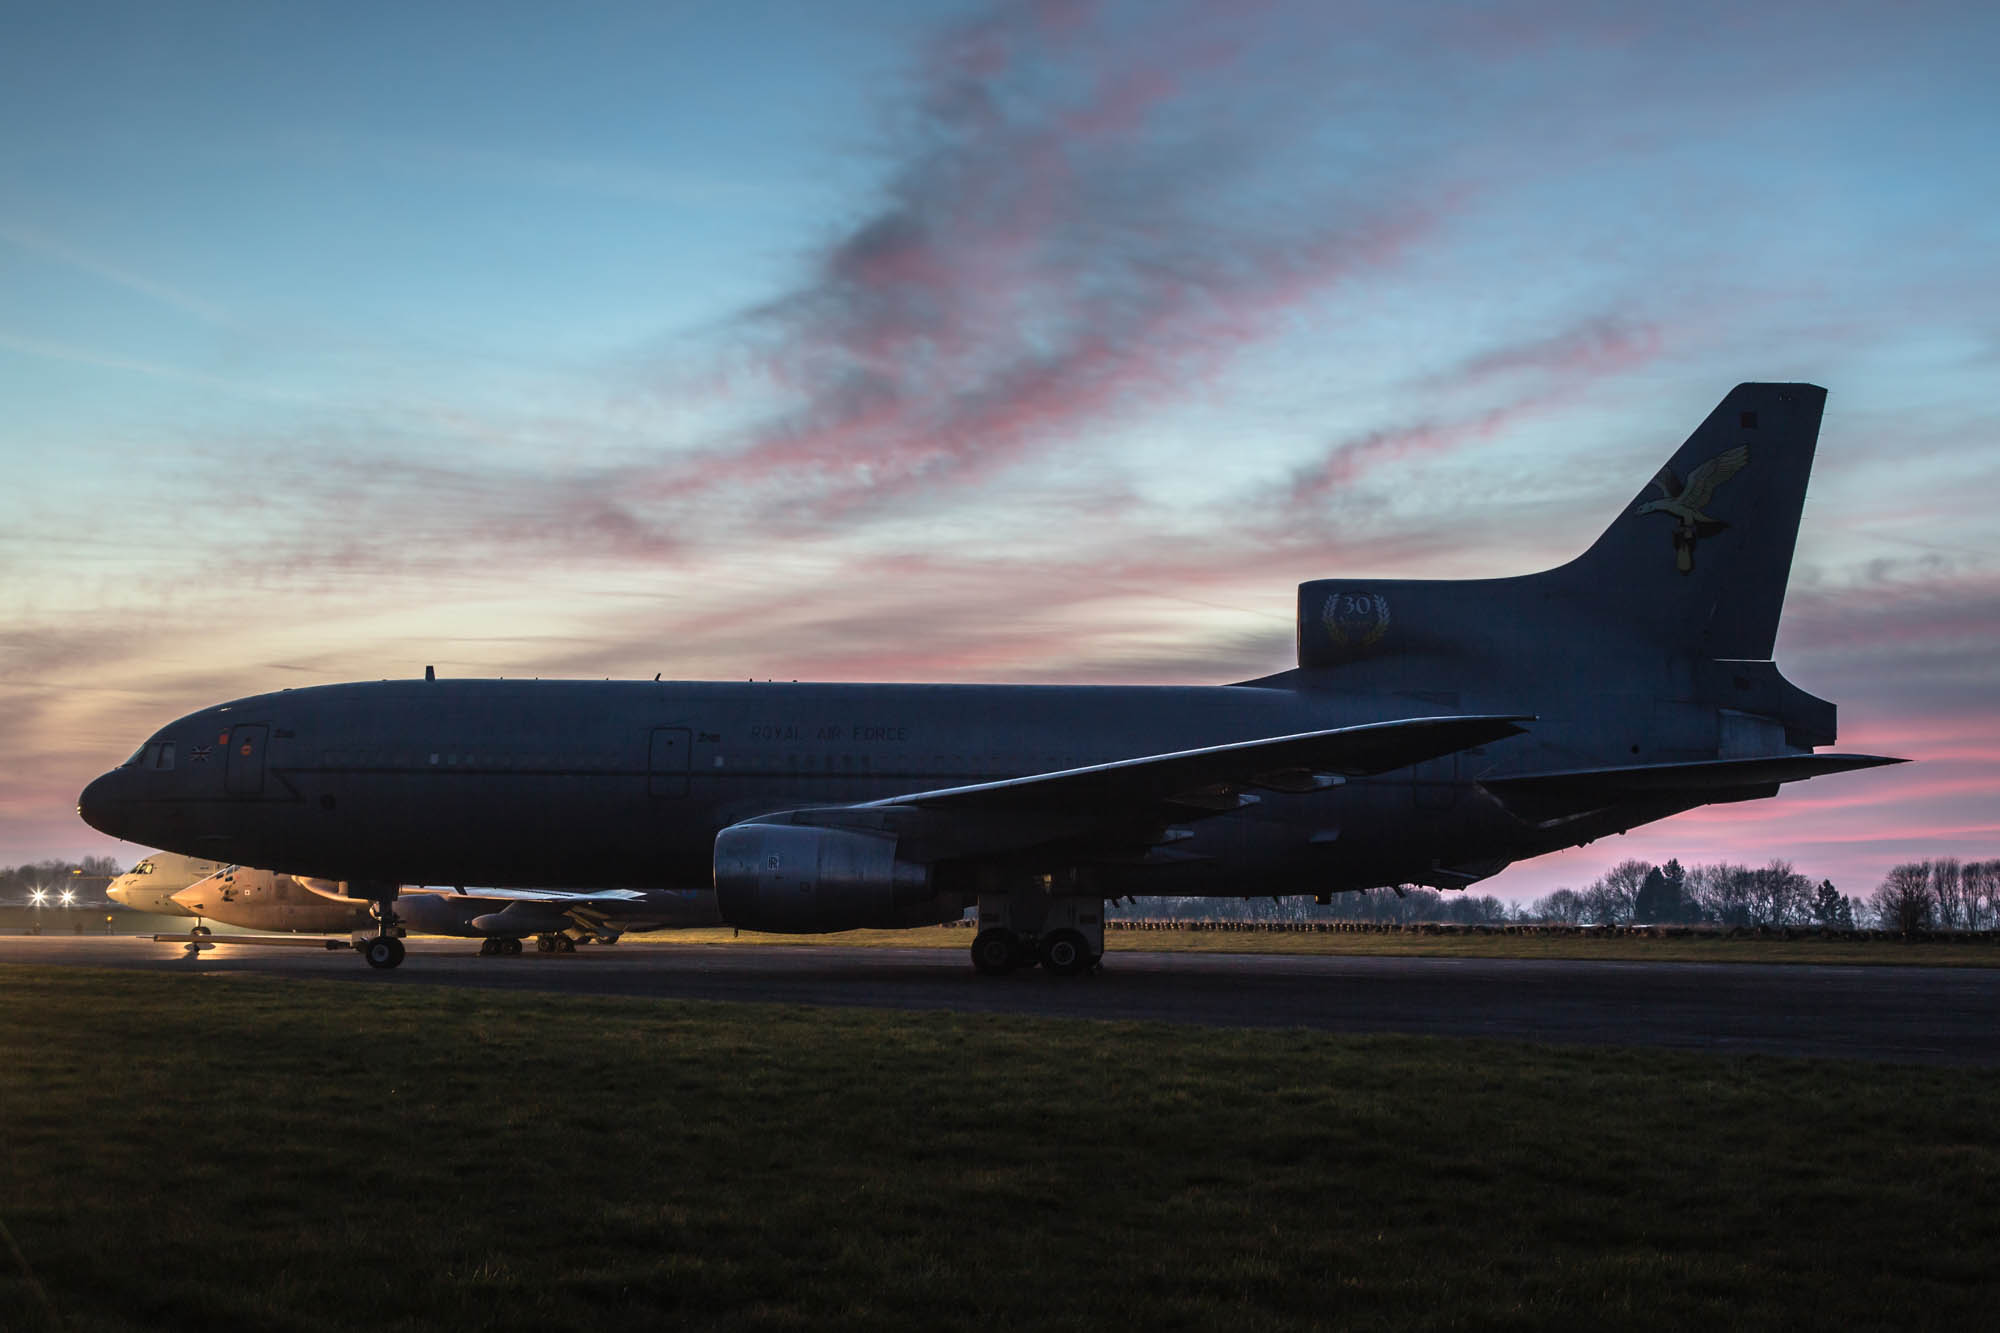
pixel 798 880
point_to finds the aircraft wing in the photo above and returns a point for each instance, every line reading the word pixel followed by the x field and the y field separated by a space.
pixel 1211 779
pixel 1549 797
pixel 1129 808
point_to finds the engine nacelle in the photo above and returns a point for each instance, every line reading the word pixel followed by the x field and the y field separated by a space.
pixel 793 879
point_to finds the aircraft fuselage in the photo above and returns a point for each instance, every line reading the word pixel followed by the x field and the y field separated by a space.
pixel 626 784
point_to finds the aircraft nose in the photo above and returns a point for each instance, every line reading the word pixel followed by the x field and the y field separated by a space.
pixel 103 804
pixel 118 896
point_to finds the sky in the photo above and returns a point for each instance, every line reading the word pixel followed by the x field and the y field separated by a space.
pixel 1023 342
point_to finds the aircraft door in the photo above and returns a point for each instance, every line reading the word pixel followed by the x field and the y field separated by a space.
pixel 667 772
pixel 243 763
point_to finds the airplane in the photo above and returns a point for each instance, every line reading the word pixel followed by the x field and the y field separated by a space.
pixel 253 899
pixel 1433 732
pixel 150 886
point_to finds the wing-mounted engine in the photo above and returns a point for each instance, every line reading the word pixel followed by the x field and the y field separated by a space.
pixel 796 879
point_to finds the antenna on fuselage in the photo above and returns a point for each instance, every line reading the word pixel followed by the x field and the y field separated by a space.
pixel 430 673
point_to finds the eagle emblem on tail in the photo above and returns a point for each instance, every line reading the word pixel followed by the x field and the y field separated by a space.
pixel 1686 501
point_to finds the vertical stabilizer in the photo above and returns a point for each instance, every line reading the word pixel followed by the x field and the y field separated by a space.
pixel 1700 558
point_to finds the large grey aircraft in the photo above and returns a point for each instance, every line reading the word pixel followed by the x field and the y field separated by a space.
pixel 1431 733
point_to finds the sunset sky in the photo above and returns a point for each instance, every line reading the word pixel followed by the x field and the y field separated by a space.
pixel 997 342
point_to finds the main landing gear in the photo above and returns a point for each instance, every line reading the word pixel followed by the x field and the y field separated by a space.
pixel 499 945
pixel 1063 953
pixel 555 942
pixel 1017 930
pixel 385 949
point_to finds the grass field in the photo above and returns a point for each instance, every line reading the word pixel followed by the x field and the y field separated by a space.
pixel 199 1152
pixel 1639 948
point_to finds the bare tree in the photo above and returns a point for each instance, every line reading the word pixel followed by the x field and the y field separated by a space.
pixel 1982 888
pixel 1609 902
pixel 1903 903
pixel 1947 882
pixel 1564 907
pixel 1723 892
pixel 1777 895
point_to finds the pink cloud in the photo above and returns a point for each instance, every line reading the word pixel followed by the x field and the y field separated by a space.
pixel 1563 366
pixel 1056 245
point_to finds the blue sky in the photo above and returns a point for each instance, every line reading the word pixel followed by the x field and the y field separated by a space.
pixel 1049 341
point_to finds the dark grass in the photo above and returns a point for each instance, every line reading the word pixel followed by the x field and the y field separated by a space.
pixel 239 1153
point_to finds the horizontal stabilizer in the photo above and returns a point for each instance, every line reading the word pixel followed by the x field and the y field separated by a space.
pixel 1542 795
pixel 1207 778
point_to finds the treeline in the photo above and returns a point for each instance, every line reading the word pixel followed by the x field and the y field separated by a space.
pixel 1383 905
pixel 16 882
pixel 1945 894
pixel 1640 893
pixel 1920 895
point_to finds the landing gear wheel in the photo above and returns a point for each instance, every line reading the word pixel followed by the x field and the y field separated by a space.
pixel 383 951
pixel 510 947
pixel 1066 953
pixel 564 944
pixel 488 947
pixel 996 952
pixel 200 930
pixel 545 944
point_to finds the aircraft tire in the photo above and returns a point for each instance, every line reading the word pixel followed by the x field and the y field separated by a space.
pixel 384 951
pixel 199 930
pixel 510 947
pixel 1066 953
pixel 996 952
pixel 545 944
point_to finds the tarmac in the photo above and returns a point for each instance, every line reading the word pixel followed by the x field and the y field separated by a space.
pixel 1942 1015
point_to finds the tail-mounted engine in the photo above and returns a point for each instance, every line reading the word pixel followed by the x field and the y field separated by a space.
pixel 800 880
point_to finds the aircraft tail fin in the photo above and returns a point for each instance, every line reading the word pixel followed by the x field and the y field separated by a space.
pixel 1695 566
pixel 1701 556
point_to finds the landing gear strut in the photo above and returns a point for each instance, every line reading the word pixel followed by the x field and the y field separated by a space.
pixel 385 950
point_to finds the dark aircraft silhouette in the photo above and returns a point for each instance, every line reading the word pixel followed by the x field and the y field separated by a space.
pixel 1432 733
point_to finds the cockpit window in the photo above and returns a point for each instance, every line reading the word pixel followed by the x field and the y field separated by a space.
pixel 157 755
pixel 143 868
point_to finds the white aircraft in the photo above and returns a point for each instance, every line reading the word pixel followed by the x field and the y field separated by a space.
pixel 253 899
pixel 151 885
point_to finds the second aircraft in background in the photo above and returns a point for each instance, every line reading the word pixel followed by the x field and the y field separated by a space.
pixel 265 900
